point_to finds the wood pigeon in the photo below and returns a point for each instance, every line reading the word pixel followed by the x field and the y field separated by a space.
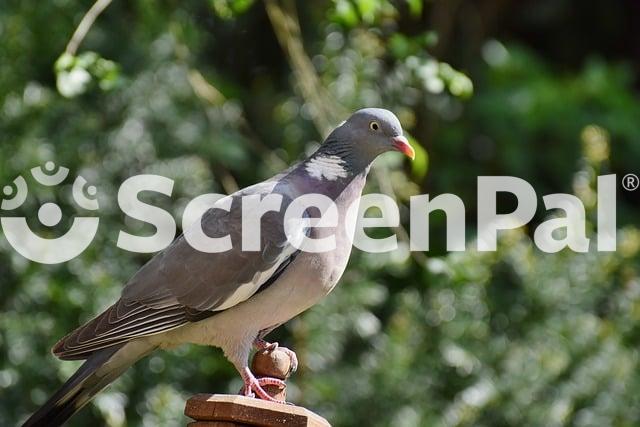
pixel 230 299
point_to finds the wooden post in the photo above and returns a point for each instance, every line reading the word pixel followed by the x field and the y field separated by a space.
pixel 222 410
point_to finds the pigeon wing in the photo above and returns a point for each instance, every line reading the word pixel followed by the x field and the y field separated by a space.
pixel 181 284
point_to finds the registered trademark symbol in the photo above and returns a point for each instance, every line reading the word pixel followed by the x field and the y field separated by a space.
pixel 630 182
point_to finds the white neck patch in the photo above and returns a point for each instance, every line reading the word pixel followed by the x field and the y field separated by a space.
pixel 326 167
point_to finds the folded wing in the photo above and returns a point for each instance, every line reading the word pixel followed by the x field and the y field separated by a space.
pixel 182 284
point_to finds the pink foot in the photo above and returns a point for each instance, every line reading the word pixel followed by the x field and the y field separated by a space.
pixel 261 344
pixel 253 386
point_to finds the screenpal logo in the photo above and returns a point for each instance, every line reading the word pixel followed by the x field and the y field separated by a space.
pixel 301 217
pixel 49 250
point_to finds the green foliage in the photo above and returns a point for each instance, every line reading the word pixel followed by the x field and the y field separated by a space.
pixel 516 337
pixel 228 9
pixel 74 74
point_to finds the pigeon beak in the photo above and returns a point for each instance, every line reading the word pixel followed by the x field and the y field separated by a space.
pixel 401 144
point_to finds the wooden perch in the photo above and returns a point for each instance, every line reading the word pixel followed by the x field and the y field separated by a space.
pixel 223 410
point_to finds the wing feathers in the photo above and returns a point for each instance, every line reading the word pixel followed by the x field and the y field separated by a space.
pixel 121 322
pixel 128 319
pixel 182 285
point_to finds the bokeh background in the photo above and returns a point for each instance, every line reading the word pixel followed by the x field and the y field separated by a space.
pixel 219 94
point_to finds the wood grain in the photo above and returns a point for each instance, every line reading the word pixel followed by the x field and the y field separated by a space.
pixel 222 410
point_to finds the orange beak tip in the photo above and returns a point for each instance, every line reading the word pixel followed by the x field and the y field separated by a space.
pixel 401 144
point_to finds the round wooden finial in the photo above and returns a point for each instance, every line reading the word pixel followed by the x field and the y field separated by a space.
pixel 275 364
pixel 271 363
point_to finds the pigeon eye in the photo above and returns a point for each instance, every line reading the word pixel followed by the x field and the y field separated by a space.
pixel 374 126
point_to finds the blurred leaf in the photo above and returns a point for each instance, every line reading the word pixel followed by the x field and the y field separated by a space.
pixel 229 9
pixel 415 7
pixel 400 46
pixel 73 82
pixel 345 13
pixel 367 9
pixel 74 74
pixel 420 164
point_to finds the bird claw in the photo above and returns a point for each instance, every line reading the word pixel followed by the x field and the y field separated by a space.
pixel 253 386
pixel 264 345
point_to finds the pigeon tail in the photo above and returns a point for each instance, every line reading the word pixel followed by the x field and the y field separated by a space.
pixel 99 370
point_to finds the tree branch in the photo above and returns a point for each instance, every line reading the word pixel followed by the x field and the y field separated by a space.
pixel 326 112
pixel 85 25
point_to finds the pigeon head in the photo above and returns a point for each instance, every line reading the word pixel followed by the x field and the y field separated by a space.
pixel 363 137
pixel 373 131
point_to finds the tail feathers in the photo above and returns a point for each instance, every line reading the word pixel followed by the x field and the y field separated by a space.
pixel 96 373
